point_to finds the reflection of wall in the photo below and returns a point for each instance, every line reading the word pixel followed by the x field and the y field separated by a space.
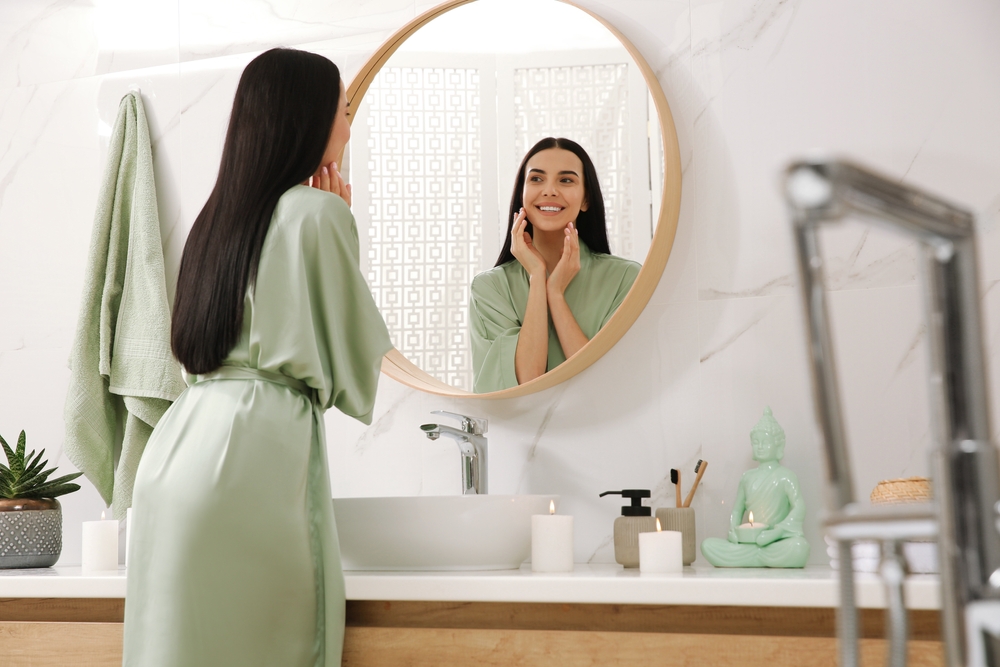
pixel 751 83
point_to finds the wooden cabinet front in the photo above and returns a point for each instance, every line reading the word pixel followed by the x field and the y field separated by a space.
pixel 43 632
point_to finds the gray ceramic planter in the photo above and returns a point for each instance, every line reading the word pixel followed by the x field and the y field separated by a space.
pixel 30 532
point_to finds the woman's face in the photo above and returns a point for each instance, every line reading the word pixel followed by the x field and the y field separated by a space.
pixel 553 189
pixel 341 132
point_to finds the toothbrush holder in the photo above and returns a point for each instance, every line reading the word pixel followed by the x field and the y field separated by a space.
pixel 680 519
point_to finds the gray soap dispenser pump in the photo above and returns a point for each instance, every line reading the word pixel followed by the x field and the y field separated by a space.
pixel 636 518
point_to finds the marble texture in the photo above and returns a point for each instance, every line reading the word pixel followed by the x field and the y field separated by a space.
pixel 43 41
pixel 212 28
pixel 910 88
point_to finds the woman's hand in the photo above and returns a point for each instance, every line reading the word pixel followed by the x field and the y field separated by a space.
pixel 569 263
pixel 523 249
pixel 532 352
pixel 571 336
pixel 328 179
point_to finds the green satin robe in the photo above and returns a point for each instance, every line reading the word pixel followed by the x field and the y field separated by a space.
pixel 500 296
pixel 234 555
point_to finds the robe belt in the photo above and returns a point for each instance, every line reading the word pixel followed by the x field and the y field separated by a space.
pixel 247 373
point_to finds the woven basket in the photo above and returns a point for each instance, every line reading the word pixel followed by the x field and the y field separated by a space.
pixel 909 490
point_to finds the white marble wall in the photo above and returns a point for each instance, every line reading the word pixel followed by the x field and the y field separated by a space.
pixel 909 87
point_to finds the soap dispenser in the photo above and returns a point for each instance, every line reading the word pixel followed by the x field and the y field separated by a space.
pixel 636 518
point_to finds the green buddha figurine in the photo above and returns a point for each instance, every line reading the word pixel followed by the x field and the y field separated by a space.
pixel 769 498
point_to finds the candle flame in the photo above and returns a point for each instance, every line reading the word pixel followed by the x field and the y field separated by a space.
pixel 552 507
pixel 102 515
pixel 751 519
pixel 658 528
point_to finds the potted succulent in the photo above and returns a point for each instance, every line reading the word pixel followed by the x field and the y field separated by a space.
pixel 30 516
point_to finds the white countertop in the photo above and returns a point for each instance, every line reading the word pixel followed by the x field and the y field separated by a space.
pixel 594 584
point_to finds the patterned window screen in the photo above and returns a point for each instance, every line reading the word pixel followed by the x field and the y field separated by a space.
pixel 425 210
pixel 589 103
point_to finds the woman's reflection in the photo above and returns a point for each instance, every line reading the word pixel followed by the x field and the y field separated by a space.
pixel 556 282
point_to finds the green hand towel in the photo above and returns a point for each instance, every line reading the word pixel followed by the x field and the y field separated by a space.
pixel 124 376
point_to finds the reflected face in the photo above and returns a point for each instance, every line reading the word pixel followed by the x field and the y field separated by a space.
pixel 553 191
pixel 767 446
pixel 341 132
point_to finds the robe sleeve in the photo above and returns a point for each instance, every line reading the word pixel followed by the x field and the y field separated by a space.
pixel 324 327
pixel 493 329
pixel 347 321
pixel 628 277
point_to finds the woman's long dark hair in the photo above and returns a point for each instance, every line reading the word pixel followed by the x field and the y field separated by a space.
pixel 281 121
pixel 590 224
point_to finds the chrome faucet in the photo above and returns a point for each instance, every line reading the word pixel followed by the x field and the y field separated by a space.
pixel 964 514
pixel 471 441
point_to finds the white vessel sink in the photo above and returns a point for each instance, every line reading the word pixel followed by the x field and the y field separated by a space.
pixel 437 532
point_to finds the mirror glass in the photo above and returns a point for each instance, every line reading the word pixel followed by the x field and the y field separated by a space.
pixel 437 140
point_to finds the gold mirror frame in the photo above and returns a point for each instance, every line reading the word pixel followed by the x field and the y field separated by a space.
pixel 401 369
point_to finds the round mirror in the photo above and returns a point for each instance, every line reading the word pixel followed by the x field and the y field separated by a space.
pixel 442 117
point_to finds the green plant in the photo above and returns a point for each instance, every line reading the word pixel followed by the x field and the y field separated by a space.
pixel 21 480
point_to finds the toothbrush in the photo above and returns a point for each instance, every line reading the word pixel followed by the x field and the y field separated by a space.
pixel 675 479
pixel 700 469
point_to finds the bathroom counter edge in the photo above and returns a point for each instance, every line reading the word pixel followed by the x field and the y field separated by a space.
pixel 594 584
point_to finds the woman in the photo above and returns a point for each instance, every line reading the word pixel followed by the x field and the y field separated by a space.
pixel 234 558
pixel 556 282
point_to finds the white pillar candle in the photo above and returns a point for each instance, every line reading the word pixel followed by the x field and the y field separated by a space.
pixel 661 552
pixel 100 545
pixel 551 542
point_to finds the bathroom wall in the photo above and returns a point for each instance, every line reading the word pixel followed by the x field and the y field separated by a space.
pixel 911 88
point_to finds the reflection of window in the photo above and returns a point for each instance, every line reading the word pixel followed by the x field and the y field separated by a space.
pixel 420 147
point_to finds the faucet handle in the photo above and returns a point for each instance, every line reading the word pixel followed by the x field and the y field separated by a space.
pixel 473 425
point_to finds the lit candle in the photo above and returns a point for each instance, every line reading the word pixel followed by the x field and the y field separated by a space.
pixel 661 552
pixel 747 532
pixel 551 542
pixel 100 545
